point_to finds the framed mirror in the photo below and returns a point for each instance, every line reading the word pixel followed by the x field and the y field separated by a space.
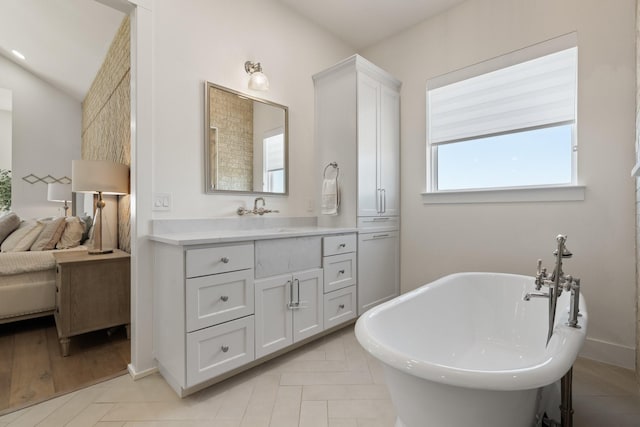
pixel 247 143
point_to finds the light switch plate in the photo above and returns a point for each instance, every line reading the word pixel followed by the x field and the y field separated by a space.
pixel 161 201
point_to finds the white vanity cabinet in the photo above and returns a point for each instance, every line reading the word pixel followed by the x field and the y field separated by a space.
pixel 224 306
pixel 203 309
pixel 339 262
pixel 288 292
pixel 289 308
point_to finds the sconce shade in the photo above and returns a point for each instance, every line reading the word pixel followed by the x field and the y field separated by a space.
pixel 257 80
pixel 93 176
pixel 58 192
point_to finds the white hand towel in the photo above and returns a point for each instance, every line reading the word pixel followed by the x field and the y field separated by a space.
pixel 329 196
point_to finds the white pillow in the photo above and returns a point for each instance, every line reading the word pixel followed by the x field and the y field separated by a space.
pixel 22 239
pixel 49 235
pixel 72 234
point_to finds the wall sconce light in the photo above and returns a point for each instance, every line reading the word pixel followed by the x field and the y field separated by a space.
pixel 57 192
pixel 257 81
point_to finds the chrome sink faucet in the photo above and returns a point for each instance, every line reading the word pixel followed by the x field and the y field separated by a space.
pixel 556 283
pixel 256 210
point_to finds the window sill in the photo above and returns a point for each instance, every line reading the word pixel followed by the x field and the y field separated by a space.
pixel 507 195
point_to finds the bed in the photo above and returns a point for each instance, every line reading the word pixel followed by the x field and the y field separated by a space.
pixel 28 284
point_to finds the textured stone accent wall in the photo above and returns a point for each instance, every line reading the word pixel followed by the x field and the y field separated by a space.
pixel 106 119
pixel 233 117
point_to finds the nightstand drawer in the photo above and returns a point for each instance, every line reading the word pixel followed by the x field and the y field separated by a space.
pixel 218 298
pixel 339 306
pixel 218 349
pixel 342 244
pixel 339 271
pixel 219 259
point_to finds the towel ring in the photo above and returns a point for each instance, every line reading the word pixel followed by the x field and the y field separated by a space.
pixel 333 165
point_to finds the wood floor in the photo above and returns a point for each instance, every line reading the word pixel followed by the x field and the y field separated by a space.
pixel 32 368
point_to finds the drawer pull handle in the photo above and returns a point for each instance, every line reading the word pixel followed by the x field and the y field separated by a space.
pixel 342 245
pixel 224 348
pixel 341 272
pixel 224 260
pixel 341 306
pixel 224 298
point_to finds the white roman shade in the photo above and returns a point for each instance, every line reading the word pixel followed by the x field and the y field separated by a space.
pixel 274 152
pixel 506 94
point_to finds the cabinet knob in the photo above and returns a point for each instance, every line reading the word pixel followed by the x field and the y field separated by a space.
pixel 341 306
pixel 224 298
pixel 342 245
pixel 224 348
pixel 224 259
pixel 341 272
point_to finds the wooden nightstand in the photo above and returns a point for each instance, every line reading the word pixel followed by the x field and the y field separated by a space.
pixel 92 292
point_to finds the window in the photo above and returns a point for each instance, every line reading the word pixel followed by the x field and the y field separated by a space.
pixel 507 123
pixel 273 171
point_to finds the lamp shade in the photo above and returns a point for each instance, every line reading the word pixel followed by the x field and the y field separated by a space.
pixel 92 176
pixel 58 192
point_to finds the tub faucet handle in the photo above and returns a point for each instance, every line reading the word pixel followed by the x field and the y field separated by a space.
pixel 541 275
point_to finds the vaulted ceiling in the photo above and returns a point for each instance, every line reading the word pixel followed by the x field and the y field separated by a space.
pixel 65 41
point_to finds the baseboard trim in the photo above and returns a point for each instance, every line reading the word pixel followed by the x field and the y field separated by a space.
pixel 136 375
pixel 613 354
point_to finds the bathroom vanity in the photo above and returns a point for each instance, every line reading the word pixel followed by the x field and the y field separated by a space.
pixel 228 299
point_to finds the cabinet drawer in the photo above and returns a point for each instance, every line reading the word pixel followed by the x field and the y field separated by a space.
pixel 379 222
pixel 218 298
pixel 339 306
pixel 218 349
pixel 334 245
pixel 219 259
pixel 339 271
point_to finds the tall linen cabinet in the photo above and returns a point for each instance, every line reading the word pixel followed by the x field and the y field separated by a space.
pixel 357 119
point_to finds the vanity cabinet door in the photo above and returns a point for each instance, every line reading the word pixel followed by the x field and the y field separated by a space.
pixel 289 308
pixel 308 315
pixel 274 319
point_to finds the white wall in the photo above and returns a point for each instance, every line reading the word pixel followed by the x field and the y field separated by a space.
pixel 441 239
pixel 5 139
pixel 46 137
pixel 200 40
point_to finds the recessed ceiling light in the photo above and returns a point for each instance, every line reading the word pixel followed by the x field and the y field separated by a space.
pixel 18 54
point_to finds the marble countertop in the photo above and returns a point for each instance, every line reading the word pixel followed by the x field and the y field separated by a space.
pixel 224 236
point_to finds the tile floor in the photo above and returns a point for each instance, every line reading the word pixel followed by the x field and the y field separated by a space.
pixel 330 382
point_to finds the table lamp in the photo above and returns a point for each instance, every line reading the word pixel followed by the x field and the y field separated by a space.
pixel 101 177
pixel 57 192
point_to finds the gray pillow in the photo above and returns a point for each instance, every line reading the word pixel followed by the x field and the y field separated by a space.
pixel 8 223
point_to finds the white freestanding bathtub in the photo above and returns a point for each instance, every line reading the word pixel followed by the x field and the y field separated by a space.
pixel 467 350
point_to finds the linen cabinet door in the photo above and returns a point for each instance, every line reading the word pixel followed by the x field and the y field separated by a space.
pixel 308 314
pixel 368 136
pixel 389 151
pixel 273 325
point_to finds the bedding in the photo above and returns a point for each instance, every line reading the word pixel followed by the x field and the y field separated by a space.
pixel 28 265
